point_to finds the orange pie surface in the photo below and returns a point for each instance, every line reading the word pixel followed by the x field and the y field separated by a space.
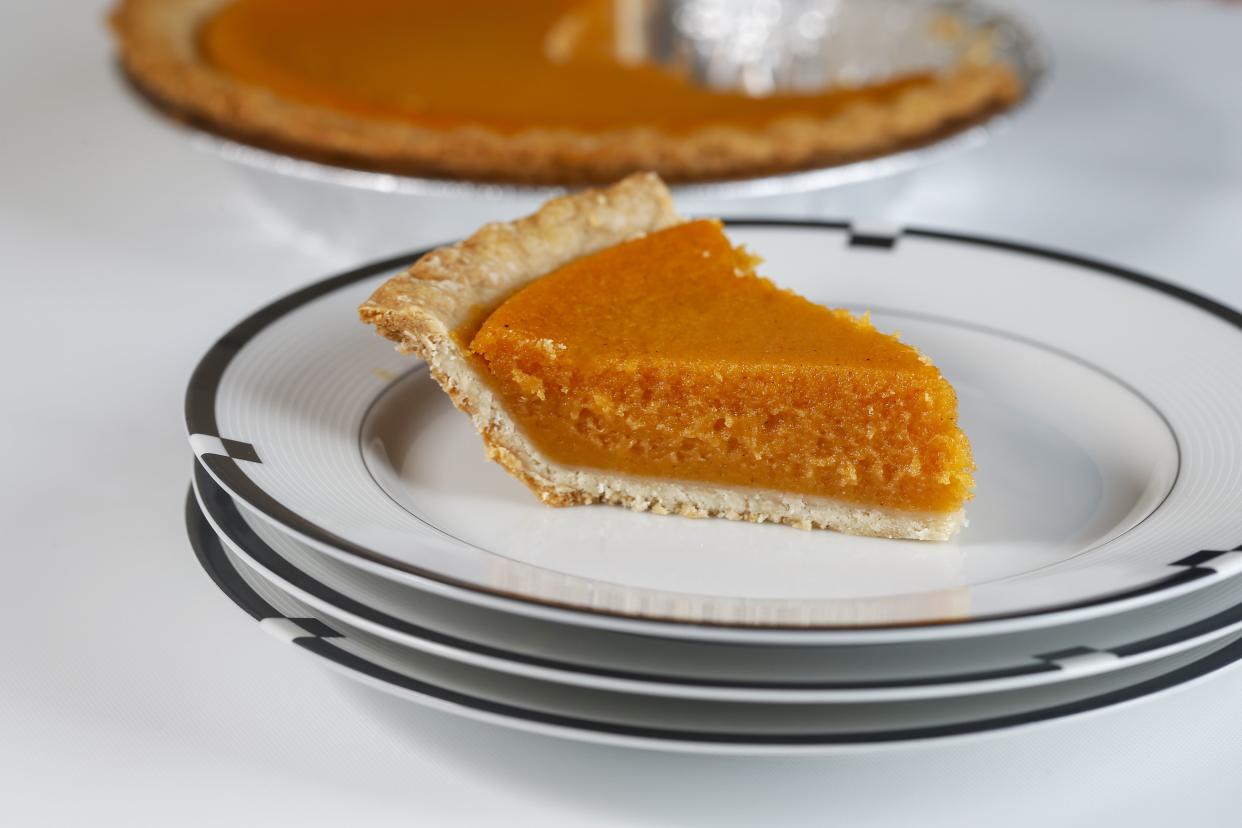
pixel 667 356
pixel 506 65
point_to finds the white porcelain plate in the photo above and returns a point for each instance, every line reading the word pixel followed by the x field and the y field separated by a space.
pixel 1101 405
pixel 603 659
pixel 679 724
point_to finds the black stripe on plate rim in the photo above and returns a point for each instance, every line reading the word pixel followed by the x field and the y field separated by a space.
pixel 204 383
pixel 211 555
pixel 225 515
pixel 873 240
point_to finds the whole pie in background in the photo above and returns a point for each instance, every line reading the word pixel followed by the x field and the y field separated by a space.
pixel 537 91
pixel 608 350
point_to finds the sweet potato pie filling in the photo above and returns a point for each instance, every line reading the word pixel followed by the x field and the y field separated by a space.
pixel 527 63
pixel 667 356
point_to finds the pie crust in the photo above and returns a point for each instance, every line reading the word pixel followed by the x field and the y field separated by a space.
pixel 159 54
pixel 421 308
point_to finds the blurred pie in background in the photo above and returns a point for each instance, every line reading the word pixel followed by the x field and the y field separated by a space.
pixel 538 91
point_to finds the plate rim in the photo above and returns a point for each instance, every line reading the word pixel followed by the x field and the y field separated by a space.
pixel 315 636
pixel 220 458
pixel 224 516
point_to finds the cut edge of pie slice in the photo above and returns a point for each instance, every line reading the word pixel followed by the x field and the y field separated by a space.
pixel 425 309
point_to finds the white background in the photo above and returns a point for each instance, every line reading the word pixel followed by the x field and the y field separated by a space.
pixel 133 693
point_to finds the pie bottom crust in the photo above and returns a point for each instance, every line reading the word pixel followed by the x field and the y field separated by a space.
pixel 420 308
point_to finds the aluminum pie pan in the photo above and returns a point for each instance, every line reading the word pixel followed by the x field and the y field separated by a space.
pixel 1015 44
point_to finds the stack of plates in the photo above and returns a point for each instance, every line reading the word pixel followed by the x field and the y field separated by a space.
pixel 342 502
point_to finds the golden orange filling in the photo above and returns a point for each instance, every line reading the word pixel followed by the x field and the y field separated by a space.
pixel 507 65
pixel 667 356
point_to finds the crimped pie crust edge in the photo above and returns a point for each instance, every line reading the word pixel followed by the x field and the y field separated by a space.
pixel 159 53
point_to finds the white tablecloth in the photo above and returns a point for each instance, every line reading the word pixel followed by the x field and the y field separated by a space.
pixel 133 693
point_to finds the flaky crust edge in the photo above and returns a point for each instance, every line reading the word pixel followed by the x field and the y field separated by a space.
pixel 158 52
pixel 420 308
